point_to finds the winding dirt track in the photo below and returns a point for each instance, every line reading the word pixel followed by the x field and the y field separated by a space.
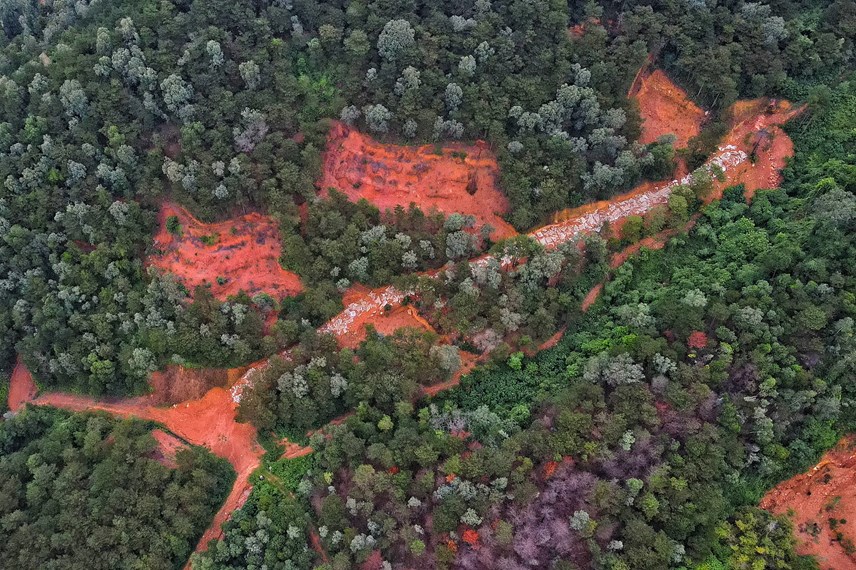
pixel 211 419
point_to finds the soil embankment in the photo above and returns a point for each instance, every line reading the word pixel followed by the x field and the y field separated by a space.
pixel 238 254
pixel 22 387
pixel 822 504
pixel 665 108
pixel 452 178
pixel 168 447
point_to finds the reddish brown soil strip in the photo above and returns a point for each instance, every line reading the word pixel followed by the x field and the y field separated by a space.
pixel 665 109
pixel 468 363
pixel 293 450
pixel 208 421
pixel 757 130
pixel 177 384
pixel 591 297
pixel 243 252
pixel 317 546
pixel 552 341
pixel 461 178
pixel 385 322
pixel 813 498
pixel 168 446
pixel 22 387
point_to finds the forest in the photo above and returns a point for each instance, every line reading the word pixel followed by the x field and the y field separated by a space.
pixel 704 373
pixel 88 491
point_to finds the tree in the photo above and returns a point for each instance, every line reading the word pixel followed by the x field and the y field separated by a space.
pixel 396 38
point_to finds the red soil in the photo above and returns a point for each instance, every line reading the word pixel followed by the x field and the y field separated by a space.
pixel 22 387
pixel 245 252
pixel 468 362
pixel 177 384
pixel 208 421
pixel 385 322
pixel 552 341
pixel 822 493
pixel 168 446
pixel 591 297
pixel 391 175
pixel 293 450
pixel 757 131
pixel 654 242
pixel 665 109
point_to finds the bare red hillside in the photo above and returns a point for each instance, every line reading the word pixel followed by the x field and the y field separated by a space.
pixel 823 506
pixel 242 252
pixel 665 108
pixel 22 387
pixel 452 178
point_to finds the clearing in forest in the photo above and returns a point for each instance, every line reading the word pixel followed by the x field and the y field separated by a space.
pixel 22 387
pixel 353 331
pixel 752 152
pixel 823 506
pixel 452 178
pixel 757 130
pixel 665 108
pixel 238 254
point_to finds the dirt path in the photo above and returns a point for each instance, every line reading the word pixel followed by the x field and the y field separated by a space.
pixel 819 500
pixel 208 421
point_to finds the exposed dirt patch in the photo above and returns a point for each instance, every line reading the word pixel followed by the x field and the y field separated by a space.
pixel 293 450
pixel 459 178
pixel 22 387
pixel 385 322
pixel 819 500
pixel 243 253
pixel 177 384
pixel 552 341
pixel 210 419
pixel 757 131
pixel 591 297
pixel 665 108
pixel 468 362
pixel 168 446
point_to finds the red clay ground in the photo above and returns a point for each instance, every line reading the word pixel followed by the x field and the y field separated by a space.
pixel 757 131
pixel 22 387
pixel 210 420
pixel 386 322
pixel 468 362
pixel 813 498
pixel 168 446
pixel 393 175
pixel 244 250
pixel 665 109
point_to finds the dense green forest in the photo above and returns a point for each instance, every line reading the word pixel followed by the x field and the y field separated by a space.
pixel 86 491
pixel 706 372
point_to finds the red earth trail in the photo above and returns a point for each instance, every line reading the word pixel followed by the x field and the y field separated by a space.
pixel 210 420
